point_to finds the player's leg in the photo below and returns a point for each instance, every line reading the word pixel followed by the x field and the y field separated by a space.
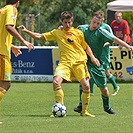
pixel 5 76
pixel 112 81
pixel 99 77
pixel 81 73
pixel 79 107
pixel 102 84
pixel 85 97
pixel 58 92
pixel 63 71
pixel 106 101
pixel 91 81
pixel 4 86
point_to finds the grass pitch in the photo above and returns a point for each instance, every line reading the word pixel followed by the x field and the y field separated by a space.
pixel 27 106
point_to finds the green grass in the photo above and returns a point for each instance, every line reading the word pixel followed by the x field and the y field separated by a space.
pixel 27 106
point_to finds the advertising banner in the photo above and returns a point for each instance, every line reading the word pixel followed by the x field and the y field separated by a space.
pixel 40 64
pixel 33 66
pixel 121 63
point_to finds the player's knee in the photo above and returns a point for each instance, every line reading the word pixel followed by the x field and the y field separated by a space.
pixel 6 85
pixel 56 83
pixel 86 87
pixel 105 91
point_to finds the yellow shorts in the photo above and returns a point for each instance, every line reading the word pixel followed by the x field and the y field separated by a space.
pixel 5 68
pixel 70 70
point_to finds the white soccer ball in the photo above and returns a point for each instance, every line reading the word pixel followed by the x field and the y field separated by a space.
pixel 59 110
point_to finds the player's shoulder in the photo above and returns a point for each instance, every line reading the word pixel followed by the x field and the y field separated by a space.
pixel 103 30
pixel 9 7
pixel 124 21
pixel 85 26
pixel 105 25
pixel 77 31
pixel 5 7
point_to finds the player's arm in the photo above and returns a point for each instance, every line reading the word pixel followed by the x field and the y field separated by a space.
pixel 125 37
pixel 34 35
pixel 16 35
pixel 16 51
pixel 88 50
pixel 93 59
pixel 126 31
pixel 122 43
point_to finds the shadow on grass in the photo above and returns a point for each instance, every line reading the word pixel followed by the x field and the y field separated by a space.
pixel 36 115
pixel 30 115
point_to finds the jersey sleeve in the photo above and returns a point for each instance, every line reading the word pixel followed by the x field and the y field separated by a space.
pixel 82 27
pixel 108 37
pixel 84 43
pixel 126 29
pixel 50 36
pixel 11 16
pixel 108 28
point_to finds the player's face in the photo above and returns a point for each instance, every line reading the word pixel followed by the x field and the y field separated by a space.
pixel 118 17
pixel 67 24
pixel 95 23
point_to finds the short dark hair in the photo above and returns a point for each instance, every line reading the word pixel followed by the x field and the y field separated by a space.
pixel 11 1
pixel 99 14
pixel 66 15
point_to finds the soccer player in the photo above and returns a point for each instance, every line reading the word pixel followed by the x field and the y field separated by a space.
pixel 8 16
pixel 121 28
pixel 73 58
pixel 105 61
pixel 96 36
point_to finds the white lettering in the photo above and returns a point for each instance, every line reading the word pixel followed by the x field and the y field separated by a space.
pixel 22 64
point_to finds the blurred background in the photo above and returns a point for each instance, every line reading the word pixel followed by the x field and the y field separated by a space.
pixel 43 15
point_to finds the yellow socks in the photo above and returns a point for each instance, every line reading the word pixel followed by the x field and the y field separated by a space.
pixel 59 95
pixel 2 92
pixel 85 101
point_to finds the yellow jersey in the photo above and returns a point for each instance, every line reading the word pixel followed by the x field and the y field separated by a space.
pixel 8 15
pixel 71 43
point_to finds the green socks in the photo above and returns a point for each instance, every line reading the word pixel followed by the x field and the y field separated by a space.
pixel 112 81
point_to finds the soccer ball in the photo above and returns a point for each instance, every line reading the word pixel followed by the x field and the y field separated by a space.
pixel 59 110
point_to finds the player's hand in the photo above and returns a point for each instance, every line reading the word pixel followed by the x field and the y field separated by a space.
pixel 22 27
pixel 130 48
pixel 106 44
pixel 120 47
pixel 29 45
pixel 60 27
pixel 16 51
pixel 95 61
